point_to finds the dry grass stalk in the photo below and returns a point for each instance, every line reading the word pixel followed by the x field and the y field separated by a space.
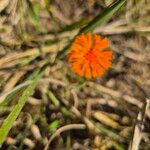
pixel 139 126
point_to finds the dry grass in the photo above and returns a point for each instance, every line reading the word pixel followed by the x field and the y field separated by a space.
pixel 64 112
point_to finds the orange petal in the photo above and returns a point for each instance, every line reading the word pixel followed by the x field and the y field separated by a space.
pixel 77 67
pixel 76 48
pixel 107 54
pixel 93 70
pixel 89 41
pixel 104 43
pixel 73 57
pixel 88 73
pixel 105 63
pixel 99 69
pixel 99 43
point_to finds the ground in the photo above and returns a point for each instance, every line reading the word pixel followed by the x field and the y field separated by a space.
pixel 65 111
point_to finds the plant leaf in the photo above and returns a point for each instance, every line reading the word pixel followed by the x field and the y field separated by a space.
pixel 8 122
pixel 103 17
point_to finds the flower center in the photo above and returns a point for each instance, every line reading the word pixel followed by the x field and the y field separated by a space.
pixel 90 56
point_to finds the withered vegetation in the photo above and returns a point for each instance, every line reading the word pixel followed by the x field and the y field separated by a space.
pixel 66 111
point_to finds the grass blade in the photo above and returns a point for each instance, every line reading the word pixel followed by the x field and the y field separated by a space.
pixel 103 17
pixel 33 13
pixel 6 98
pixel 75 25
pixel 8 122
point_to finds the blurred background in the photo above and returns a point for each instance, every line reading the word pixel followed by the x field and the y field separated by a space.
pixel 66 112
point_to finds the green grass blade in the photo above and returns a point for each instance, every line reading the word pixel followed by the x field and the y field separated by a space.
pixel 11 96
pixel 33 13
pixel 75 25
pixel 54 100
pixel 8 122
pixel 103 17
pixel 8 97
pixel 117 146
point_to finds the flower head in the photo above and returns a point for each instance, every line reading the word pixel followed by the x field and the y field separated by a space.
pixel 89 55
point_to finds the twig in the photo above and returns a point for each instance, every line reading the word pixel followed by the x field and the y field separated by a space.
pixel 62 129
pixel 139 125
pixel 75 97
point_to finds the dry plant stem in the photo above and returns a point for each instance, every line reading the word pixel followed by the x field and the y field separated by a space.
pixel 34 101
pixel 29 143
pixel 100 116
pixel 31 52
pixel 114 93
pixel 88 108
pixel 75 97
pixel 131 55
pixel 2 73
pixel 3 4
pixel 139 125
pixel 3 96
pixel 54 81
pixel 119 95
pixel 121 29
pixel 62 129
pixel 131 9
pixel 36 132
pixel 59 15
pixel 35 51
pixel 12 82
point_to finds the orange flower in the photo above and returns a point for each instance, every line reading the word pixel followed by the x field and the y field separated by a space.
pixel 89 55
